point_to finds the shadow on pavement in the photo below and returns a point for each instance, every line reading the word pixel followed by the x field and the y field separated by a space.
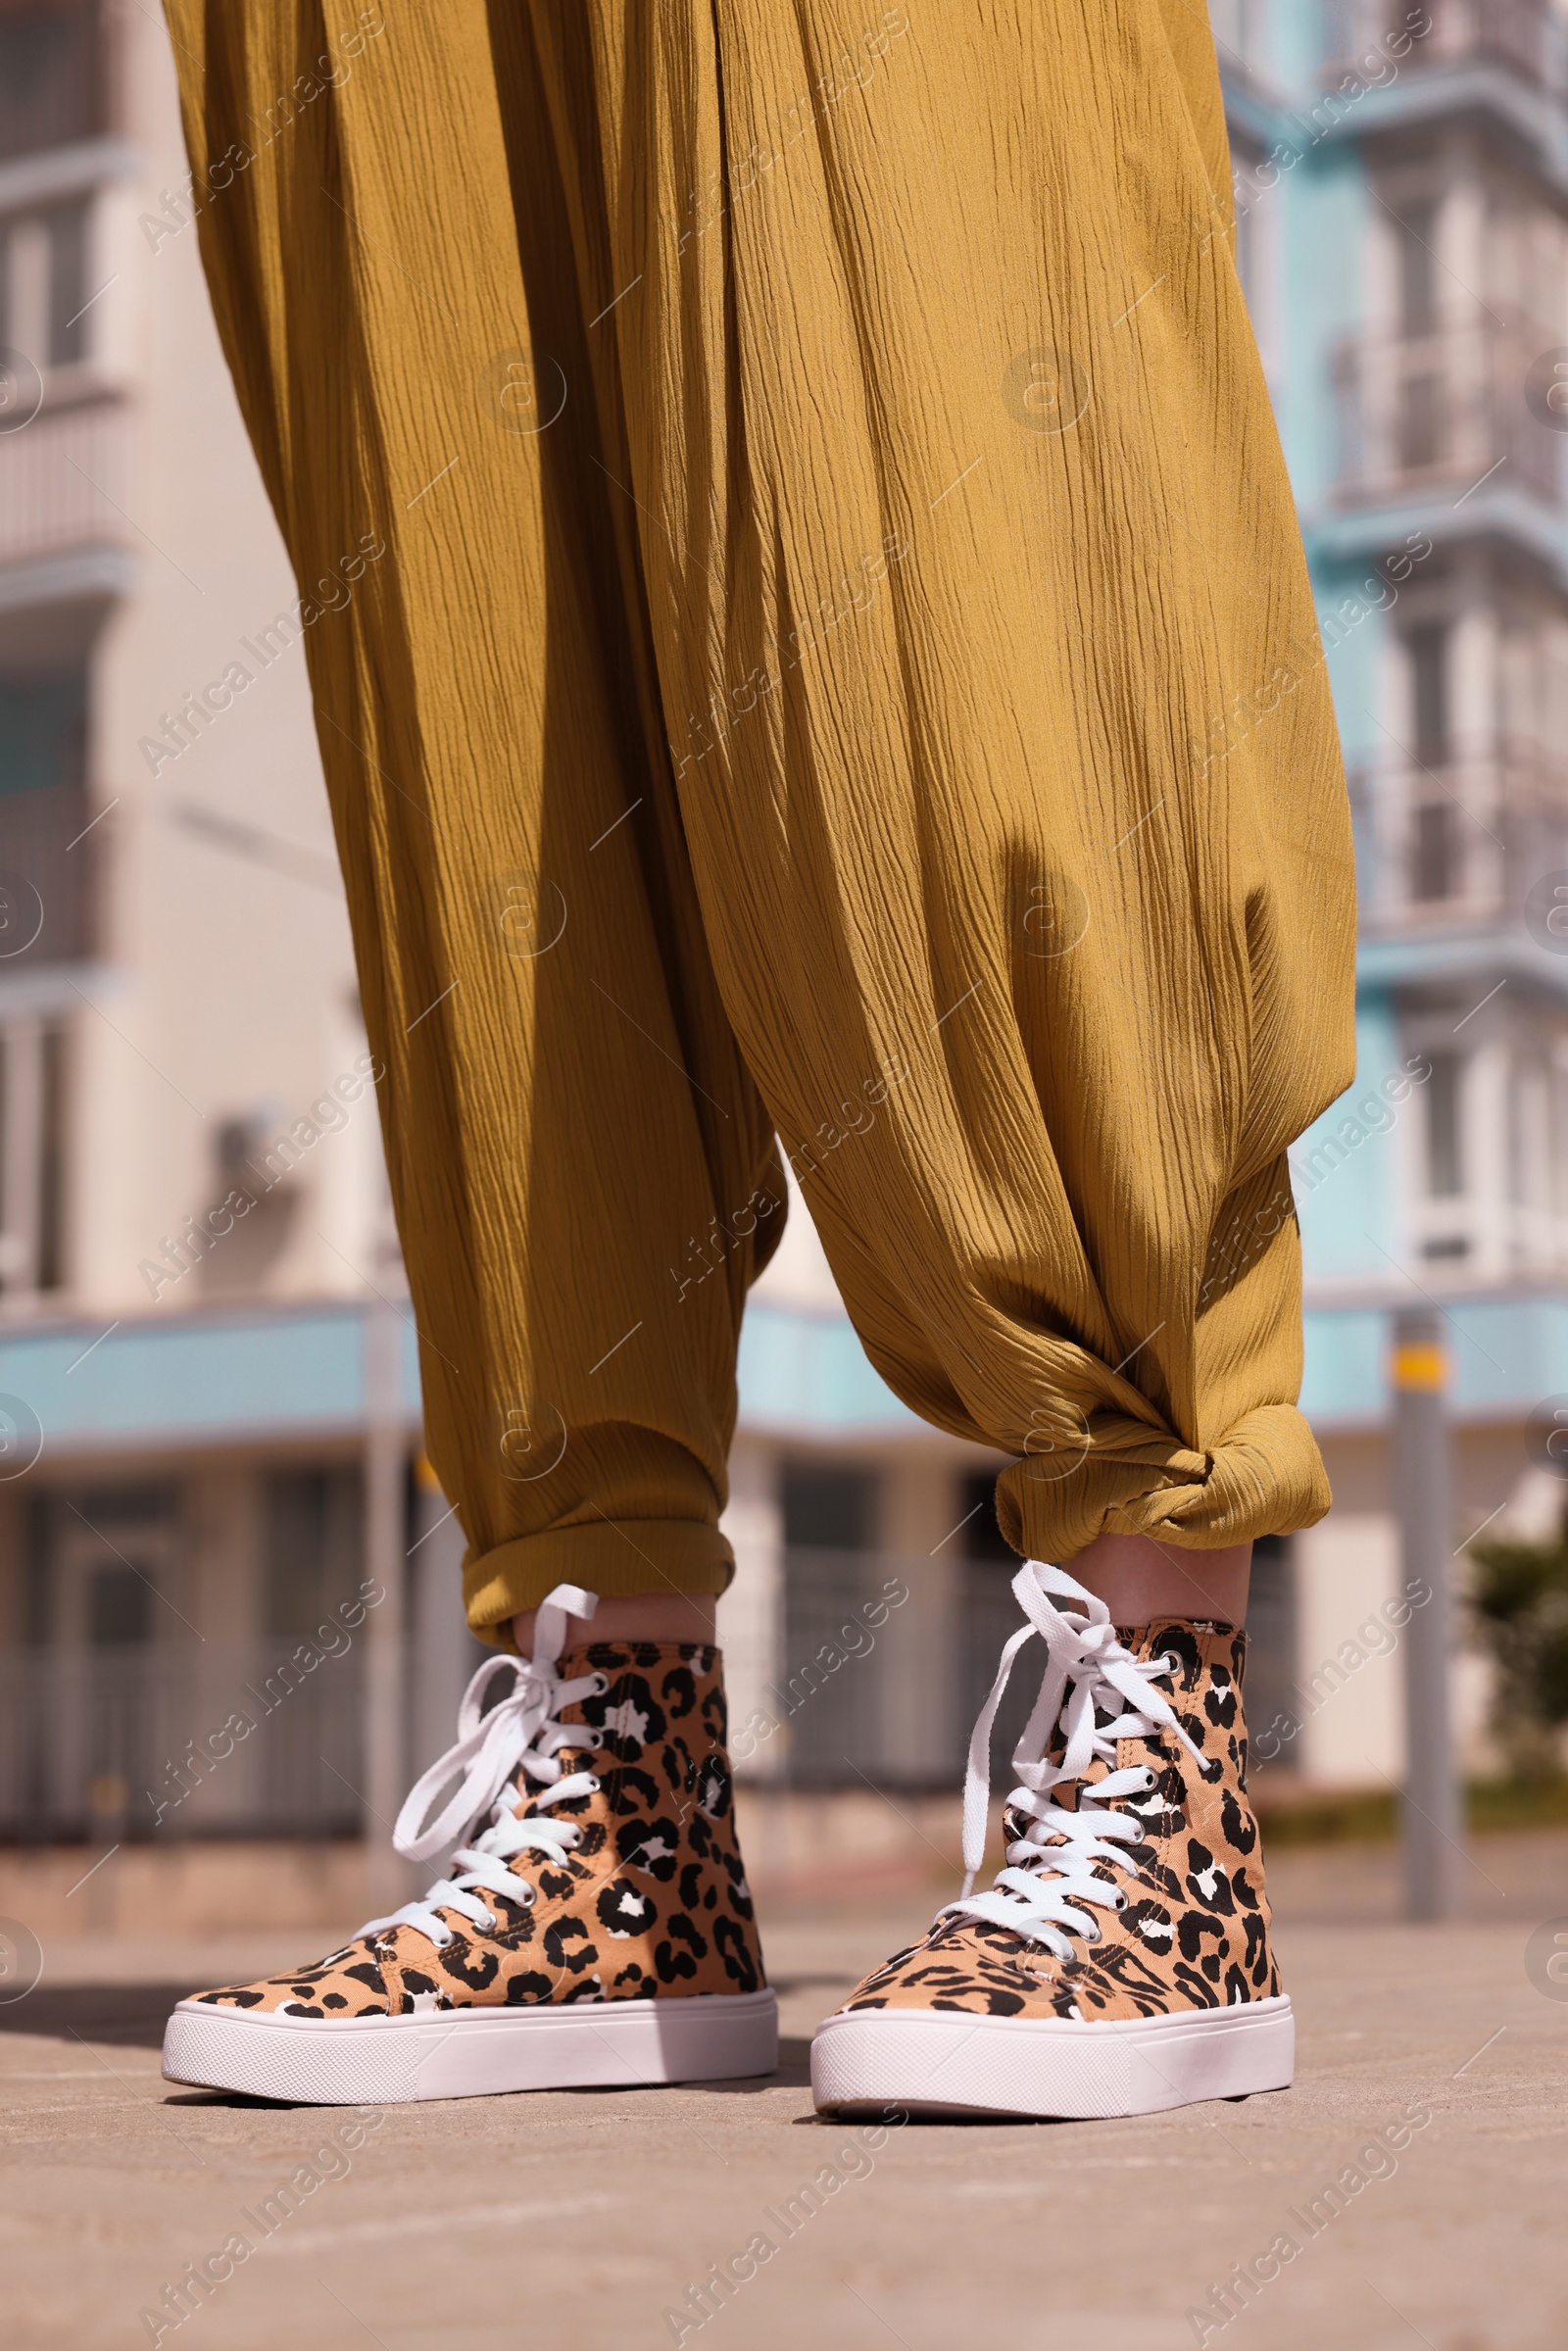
pixel 134 2016
pixel 131 2015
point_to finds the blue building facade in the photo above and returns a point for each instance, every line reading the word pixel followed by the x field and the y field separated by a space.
pixel 1401 179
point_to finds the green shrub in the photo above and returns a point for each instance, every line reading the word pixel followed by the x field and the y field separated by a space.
pixel 1519 1604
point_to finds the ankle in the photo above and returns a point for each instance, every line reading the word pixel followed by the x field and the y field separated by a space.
pixel 632 1616
pixel 1139 1578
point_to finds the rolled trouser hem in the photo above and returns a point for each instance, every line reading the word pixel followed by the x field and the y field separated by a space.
pixel 1266 1477
pixel 625 1556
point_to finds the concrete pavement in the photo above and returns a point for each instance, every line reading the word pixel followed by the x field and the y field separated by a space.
pixel 1432 2098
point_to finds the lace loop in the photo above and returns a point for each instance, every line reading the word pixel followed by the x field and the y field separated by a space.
pixel 1055 1869
pixel 520 1732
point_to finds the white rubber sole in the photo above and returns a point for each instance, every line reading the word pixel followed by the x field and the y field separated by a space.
pixel 471 2052
pixel 943 2061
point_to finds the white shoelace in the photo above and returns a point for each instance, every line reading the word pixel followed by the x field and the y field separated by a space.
pixel 520 1729
pixel 1050 1878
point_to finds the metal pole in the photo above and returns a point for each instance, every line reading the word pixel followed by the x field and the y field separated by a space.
pixel 1434 1827
pixel 385 1471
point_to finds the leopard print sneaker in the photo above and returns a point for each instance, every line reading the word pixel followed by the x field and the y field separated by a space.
pixel 597 1929
pixel 1120 1963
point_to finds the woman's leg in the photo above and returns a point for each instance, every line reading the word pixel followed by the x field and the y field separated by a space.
pixel 1005 752
pixel 584 1175
pixel 1009 774
pixel 633 1616
pixel 1140 1579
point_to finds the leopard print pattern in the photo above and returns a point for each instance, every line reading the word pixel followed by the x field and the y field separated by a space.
pixel 1196 1930
pixel 653 1903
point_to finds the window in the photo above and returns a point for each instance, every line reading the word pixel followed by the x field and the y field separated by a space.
pixel 107 1691
pixel 313 1545
pixel 43 288
pixel 52 79
pixel 1273 1706
pixel 1416 223
pixel 152 1505
pixel 45 863
pixel 43 733
pixel 828 1507
pixel 66 231
pixel 119 1608
pixel 989 1617
pixel 1445 1161
pixel 1421 412
pixel 831 1695
pixel 1433 844
pixel 105 1560
pixel 981 1538
pixel 32 1159
pixel 1427 650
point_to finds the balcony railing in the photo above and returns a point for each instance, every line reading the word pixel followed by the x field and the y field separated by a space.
pixel 1460 842
pixel 872 1689
pixel 1528 37
pixel 1438 413
pixel 63 482
pixel 148 1741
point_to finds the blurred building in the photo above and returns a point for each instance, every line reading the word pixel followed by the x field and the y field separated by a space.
pixel 1401 176
pixel 208 1438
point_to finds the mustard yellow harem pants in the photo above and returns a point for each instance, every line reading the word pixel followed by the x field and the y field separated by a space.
pixel 842 666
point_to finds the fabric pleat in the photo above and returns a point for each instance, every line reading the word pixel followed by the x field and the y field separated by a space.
pixel 840 665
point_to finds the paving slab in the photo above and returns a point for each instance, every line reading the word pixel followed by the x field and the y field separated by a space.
pixel 1410 2188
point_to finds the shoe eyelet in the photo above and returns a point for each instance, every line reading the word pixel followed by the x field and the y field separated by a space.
pixel 593 1782
pixel 1120 1904
pixel 1171 1663
pixel 601 1683
pixel 595 1741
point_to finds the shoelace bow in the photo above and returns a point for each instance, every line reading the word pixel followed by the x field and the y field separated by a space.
pixel 1051 1877
pixel 520 1729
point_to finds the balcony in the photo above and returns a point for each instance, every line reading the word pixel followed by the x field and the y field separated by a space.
pixel 1460 844
pixel 1436 415
pixel 119 1743
pixel 64 481
pixel 1527 38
